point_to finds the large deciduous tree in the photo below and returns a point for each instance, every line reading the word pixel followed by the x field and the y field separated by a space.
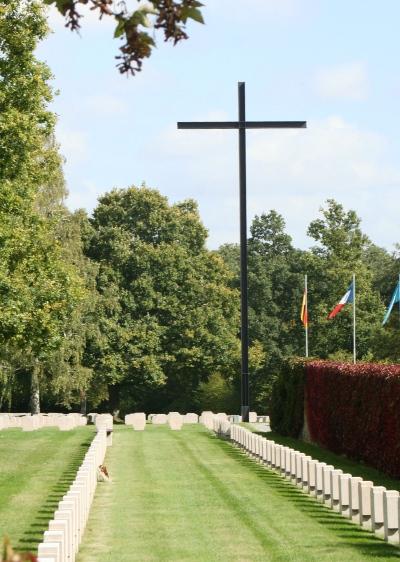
pixel 172 319
pixel 38 290
pixel 340 252
pixel 275 287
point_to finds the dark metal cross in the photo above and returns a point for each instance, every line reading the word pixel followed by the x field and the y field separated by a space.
pixel 242 125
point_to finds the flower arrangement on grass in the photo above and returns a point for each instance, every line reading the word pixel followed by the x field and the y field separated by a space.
pixel 9 554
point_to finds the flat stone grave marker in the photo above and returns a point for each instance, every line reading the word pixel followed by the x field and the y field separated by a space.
pixel 252 417
pixel 159 419
pixel 28 423
pixel 175 421
pixel 206 419
pixel 66 423
pixel 191 418
pixel 138 421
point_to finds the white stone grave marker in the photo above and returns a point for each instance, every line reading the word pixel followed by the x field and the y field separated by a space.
pixel 175 421
pixel 252 417
pixel 191 418
pixel 159 419
pixel 138 421
pixel 377 518
pixel 391 505
pixel 364 503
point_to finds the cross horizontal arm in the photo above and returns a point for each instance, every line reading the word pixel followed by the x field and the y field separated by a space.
pixel 276 124
pixel 244 125
pixel 209 125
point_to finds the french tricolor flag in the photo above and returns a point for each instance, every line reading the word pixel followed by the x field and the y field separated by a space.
pixel 346 299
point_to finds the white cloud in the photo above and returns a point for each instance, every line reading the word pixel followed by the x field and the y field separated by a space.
pixel 293 172
pixel 331 153
pixel 105 104
pixel 297 171
pixel 348 81
pixel 74 145
pixel 248 9
pixel 85 197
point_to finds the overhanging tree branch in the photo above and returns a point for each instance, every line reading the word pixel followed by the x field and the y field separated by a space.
pixel 134 27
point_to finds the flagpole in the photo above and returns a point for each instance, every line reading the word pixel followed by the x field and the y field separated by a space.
pixel 306 326
pixel 398 289
pixel 354 320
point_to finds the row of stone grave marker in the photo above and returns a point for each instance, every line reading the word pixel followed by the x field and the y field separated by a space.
pixel 175 420
pixel 104 422
pixel 373 507
pixel 66 422
pixel 65 531
pixel 26 422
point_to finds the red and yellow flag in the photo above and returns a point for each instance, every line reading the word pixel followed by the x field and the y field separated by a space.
pixel 304 311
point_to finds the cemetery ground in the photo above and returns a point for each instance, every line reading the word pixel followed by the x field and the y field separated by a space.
pixel 189 496
pixel 36 470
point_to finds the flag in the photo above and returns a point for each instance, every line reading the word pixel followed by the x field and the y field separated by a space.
pixel 395 298
pixel 347 298
pixel 304 310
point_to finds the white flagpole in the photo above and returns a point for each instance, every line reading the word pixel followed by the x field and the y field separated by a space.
pixel 306 326
pixel 354 321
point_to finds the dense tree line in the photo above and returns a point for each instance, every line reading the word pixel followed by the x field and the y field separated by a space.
pixel 276 285
pixel 128 309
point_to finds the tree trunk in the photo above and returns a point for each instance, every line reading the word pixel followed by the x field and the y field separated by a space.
pixel 83 402
pixel 35 391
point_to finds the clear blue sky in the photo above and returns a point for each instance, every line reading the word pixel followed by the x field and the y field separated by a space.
pixel 334 63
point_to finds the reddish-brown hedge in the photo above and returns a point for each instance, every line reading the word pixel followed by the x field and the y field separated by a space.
pixel 355 410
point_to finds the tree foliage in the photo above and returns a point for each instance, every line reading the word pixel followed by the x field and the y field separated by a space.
pixel 340 252
pixel 276 284
pixel 128 309
pixel 175 318
pixel 134 26
pixel 38 289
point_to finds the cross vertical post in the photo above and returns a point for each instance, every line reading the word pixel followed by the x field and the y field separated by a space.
pixel 241 125
pixel 244 297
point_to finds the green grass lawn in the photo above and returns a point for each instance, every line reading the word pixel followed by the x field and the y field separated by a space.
pixel 338 461
pixel 36 469
pixel 188 496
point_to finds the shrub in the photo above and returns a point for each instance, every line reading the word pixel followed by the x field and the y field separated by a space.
pixel 218 395
pixel 287 408
pixel 355 410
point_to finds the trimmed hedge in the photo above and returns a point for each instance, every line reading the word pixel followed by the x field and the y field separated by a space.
pixel 352 410
pixel 287 407
pixel 355 410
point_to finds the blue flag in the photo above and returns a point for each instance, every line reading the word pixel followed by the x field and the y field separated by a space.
pixel 395 298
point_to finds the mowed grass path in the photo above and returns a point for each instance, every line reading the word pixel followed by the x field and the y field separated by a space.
pixel 188 496
pixel 36 469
